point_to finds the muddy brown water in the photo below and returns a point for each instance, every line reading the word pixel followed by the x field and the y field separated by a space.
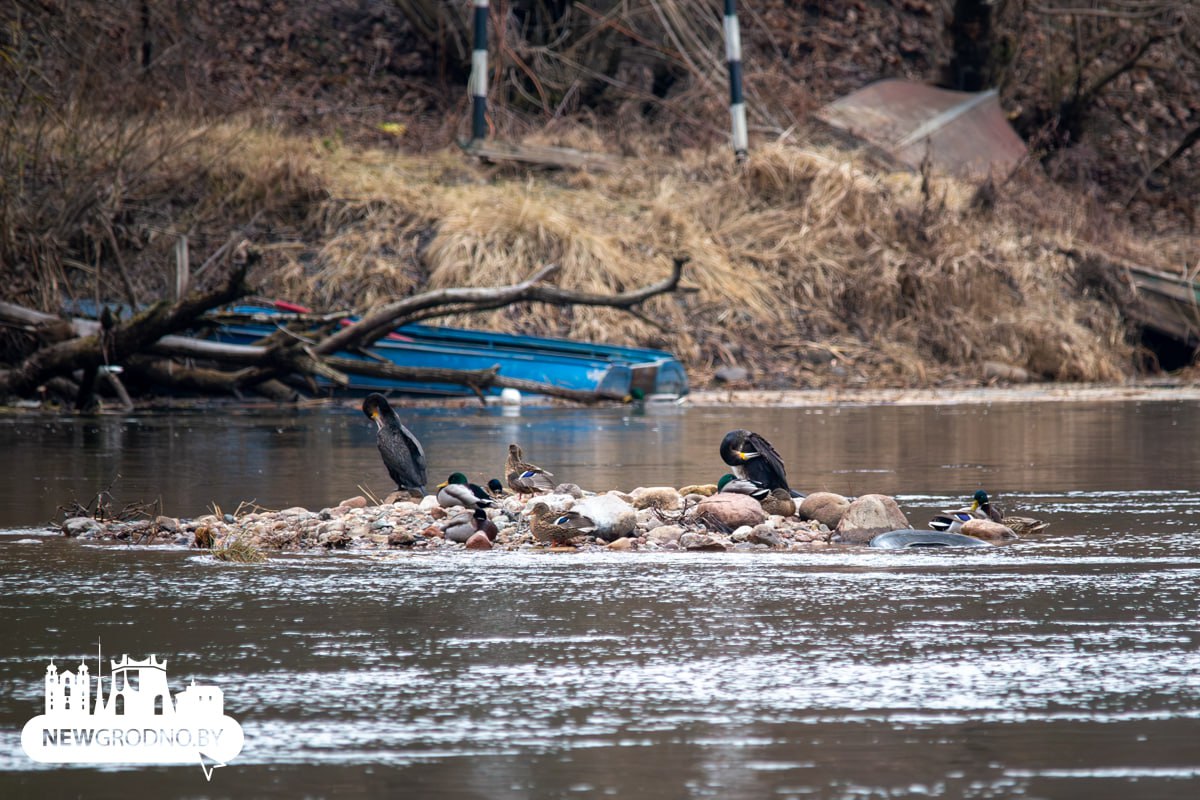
pixel 1062 666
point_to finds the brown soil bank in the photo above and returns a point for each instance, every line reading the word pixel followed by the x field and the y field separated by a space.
pixel 813 267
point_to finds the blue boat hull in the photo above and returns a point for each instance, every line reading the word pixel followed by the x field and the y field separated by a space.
pixel 585 366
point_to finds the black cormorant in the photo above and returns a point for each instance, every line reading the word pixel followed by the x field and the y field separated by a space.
pixel 753 458
pixel 402 453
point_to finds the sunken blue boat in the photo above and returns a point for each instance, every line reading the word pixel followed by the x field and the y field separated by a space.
pixel 608 370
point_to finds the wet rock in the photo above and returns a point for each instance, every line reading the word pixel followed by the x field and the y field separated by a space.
pixel 334 540
pixel 664 534
pixel 742 533
pixel 660 497
pixel 183 539
pixel 229 519
pixel 826 508
pixel 702 542
pixel 557 502
pixel 77 526
pixel 401 539
pixel 479 541
pixel 621 544
pixel 988 531
pixel 612 516
pixel 728 511
pixel 432 532
pixel 765 535
pixel 168 525
pixel 869 516
pixel 381 523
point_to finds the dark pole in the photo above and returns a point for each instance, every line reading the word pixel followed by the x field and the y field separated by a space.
pixel 733 55
pixel 479 73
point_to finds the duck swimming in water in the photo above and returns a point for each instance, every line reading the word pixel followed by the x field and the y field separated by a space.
pixel 1019 525
pixel 982 508
pixel 753 458
pixel 401 451
pixel 523 477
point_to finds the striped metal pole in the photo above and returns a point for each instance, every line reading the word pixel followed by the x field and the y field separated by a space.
pixel 478 87
pixel 733 55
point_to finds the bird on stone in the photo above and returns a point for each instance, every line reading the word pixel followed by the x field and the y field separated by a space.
pixel 401 451
pixel 464 526
pixel 458 491
pixel 773 501
pixel 496 489
pixel 753 458
pixel 545 528
pixel 523 477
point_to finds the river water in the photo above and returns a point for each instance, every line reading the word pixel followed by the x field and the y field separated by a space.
pixel 1058 667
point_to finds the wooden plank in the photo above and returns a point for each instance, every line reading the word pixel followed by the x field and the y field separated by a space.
pixel 543 155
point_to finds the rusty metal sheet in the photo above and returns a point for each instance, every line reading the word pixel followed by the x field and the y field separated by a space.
pixel 965 134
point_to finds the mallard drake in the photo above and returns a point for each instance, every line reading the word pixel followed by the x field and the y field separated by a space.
pixel 545 528
pixel 464 526
pixel 773 501
pixel 457 491
pixel 1019 525
pixel 982 508
pixel 523 477
pixel 401 451
pixel 753 458
pixel 496 489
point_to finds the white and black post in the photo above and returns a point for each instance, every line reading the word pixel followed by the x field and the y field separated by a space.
pixel 478 86
pixel 733 55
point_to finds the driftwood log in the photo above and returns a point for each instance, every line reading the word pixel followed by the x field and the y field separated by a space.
pixel 149 348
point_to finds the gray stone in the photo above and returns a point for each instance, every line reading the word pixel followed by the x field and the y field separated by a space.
pixel 729 510
pixel 869 516
pixel 665 534
pixel 166 524
pixel 661 497
pixel 78 526
pixel 987 530
pixel 766 535
pixel 702 542
pixel 826 508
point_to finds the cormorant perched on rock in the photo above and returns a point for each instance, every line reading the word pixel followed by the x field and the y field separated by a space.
pixel 402 453
pixel 753 458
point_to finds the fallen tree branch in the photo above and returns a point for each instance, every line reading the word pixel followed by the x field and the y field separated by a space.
pixel 121 340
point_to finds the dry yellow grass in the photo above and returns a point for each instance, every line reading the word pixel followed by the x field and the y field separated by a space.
pixel 810 267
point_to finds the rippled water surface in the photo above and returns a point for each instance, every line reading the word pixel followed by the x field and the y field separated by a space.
pixel 1057 667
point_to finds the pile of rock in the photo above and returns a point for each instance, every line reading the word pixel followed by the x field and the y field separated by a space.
pixel 654 518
